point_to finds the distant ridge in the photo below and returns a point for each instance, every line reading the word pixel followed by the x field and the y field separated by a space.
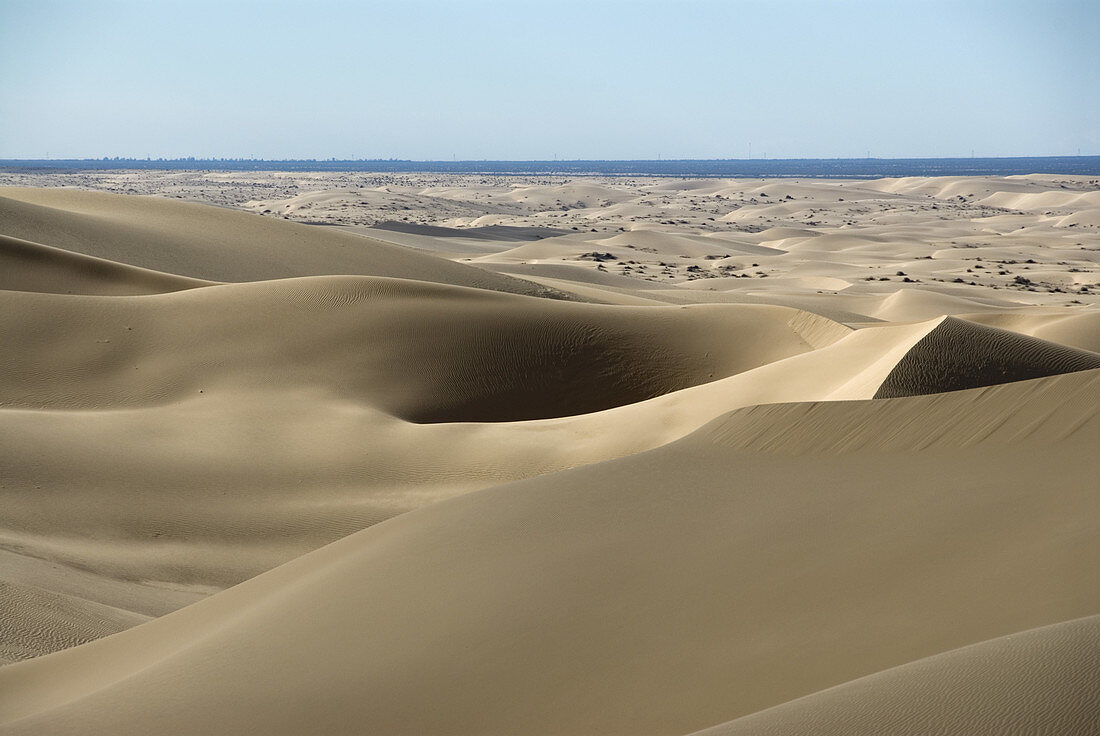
pixel 821 168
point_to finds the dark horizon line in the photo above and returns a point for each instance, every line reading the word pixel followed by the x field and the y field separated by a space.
pixel 188 159
pixel 810 168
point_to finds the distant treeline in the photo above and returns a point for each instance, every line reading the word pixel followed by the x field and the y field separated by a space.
pixel 847 168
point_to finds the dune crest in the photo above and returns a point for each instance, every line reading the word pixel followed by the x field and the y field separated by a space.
pixel 958 354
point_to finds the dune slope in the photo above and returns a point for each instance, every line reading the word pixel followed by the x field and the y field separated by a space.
pixel 660 593
pixel 217 244
pixel 423 352
pixel 1041 681
pixel 186 445
pixel 27 266
pixel 958 354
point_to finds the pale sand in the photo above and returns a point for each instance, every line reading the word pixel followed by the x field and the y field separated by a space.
pixel 628 483
pixel 1039 681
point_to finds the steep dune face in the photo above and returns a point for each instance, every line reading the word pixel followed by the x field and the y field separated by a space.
pixel 217 244
pixel 27 266
pixel 660 593
pixel 1038 681
pixel 422 352
pixel 958 354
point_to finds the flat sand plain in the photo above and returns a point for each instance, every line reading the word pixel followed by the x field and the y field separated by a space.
pixel 292 453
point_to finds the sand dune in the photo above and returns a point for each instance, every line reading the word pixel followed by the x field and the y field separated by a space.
pixel 691 246
pixel 198 372
pixel 431 622
pixel 234 499
pixel 573 194
pixel 935 231
pixel 786 456
pixel 959 354
pixel 1076 330
pixel 218 244
pixel 492 357
pixel 1043 200
pixel 175 499
pixel 27 266
pixel 918 304
pixel 1039 681
pixel 464 241
pixel 1089 218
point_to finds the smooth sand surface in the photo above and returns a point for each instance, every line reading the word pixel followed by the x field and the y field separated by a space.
pixel 1041 681
pixel 27 266
pixel 534 455
pixel 658 593
pixel 213 243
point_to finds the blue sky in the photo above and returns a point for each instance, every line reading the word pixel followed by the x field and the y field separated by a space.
pixel 538 80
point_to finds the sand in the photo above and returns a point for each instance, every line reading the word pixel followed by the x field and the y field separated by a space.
pixel 354 453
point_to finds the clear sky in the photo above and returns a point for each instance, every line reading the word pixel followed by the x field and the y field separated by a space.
pixel 596 79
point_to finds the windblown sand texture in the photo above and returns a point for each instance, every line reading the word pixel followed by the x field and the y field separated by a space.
pixel 395 454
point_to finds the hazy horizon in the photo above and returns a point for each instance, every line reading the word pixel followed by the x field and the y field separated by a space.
pixel 333 159
pixel 433 81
